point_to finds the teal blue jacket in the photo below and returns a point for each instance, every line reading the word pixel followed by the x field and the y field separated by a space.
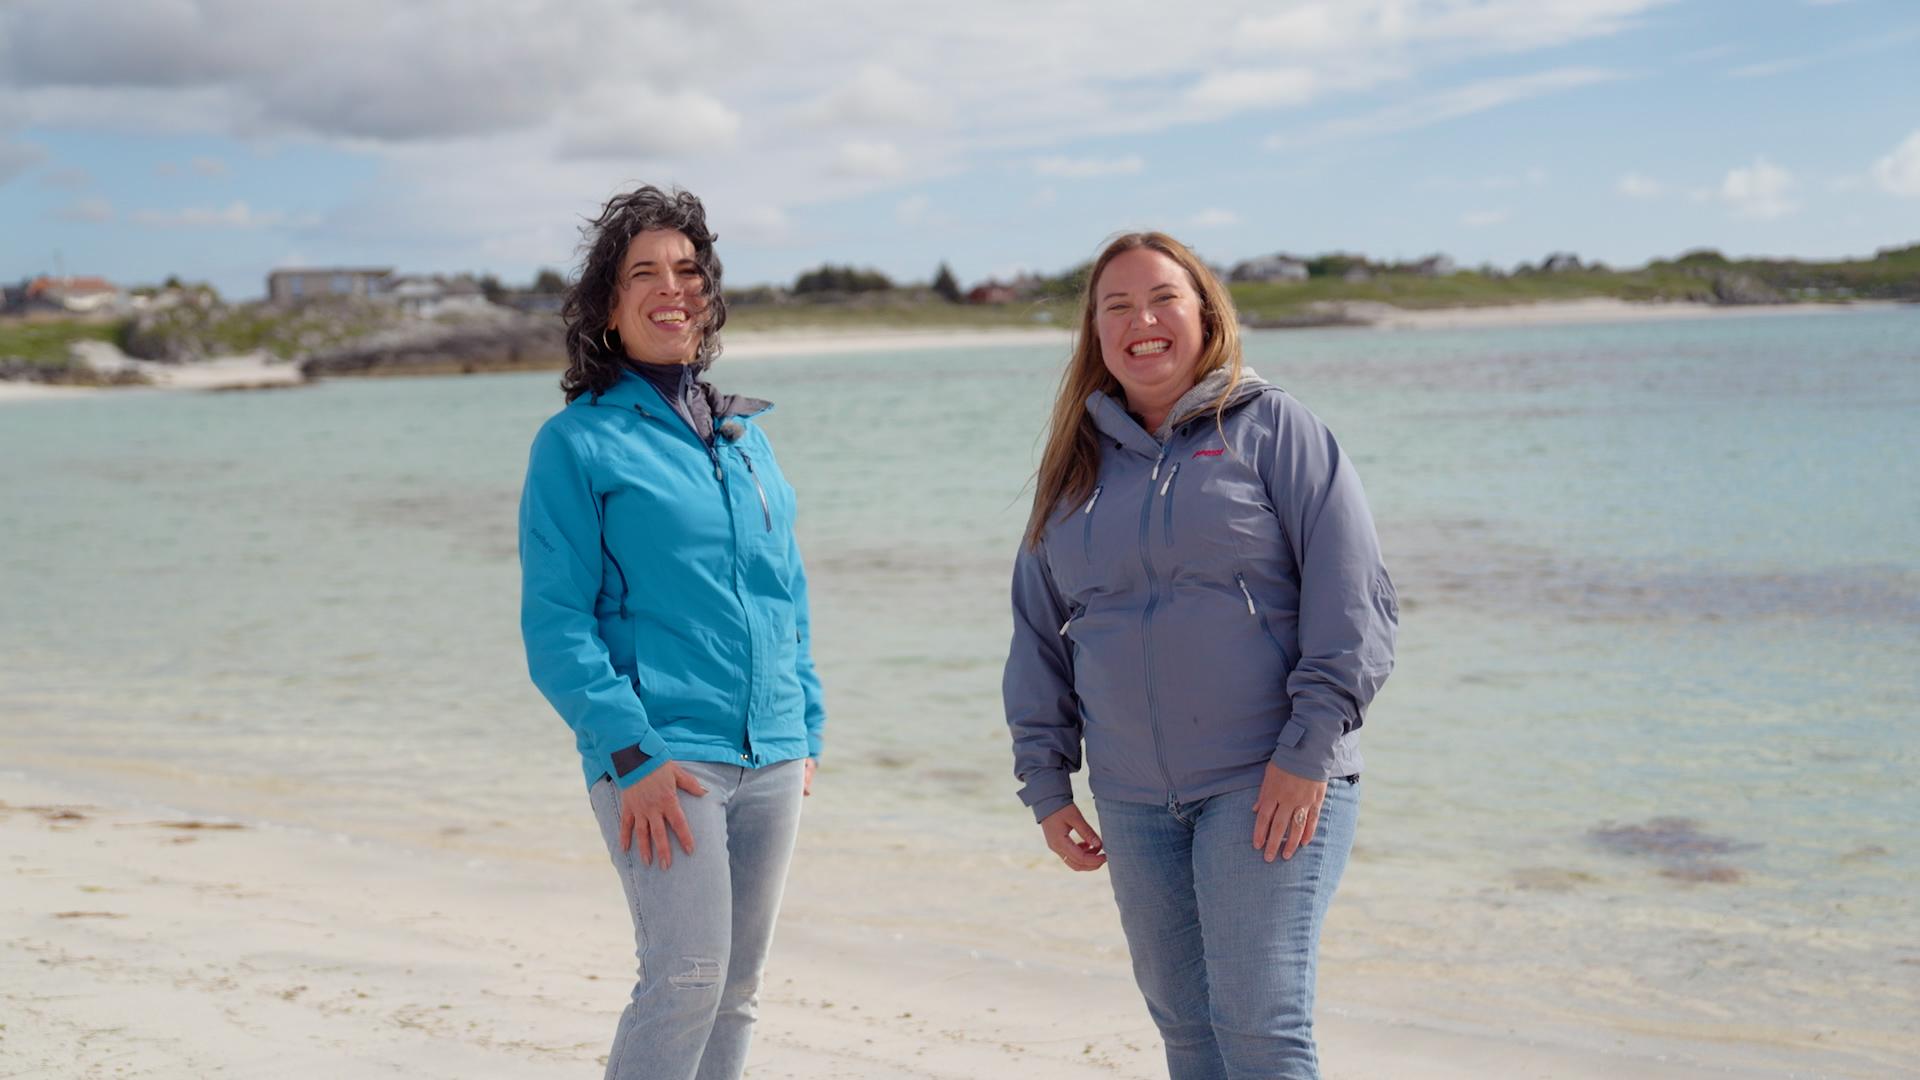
pixel 663 604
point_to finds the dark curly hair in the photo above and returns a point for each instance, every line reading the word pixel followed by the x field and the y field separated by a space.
pixel 594 359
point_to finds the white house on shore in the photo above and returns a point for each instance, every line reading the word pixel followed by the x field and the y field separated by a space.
pixel 430 296
pixel 80 295
pixel 1270 268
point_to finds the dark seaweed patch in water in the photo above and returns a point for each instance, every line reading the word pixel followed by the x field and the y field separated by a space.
pixel 1684 851
pixel 1467 562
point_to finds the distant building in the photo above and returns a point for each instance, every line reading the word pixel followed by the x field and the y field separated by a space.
pixel 1561 262
pixel 1435 266
pixel 427 296
pixel 76 294
pixel 992 292
pixel 295 286
pixel 1270 268
pixel 1357 274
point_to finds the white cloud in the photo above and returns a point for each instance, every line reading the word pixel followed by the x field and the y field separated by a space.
pixel 1863 46
pixel 86 211
pixel 1214 218
pixel 1086 168
pixel 760 224
pixel 1759 190
pixel 876 96
pixel 234 215
pixel 1637 186
pixel 1255 89
pixel 491 126
pixel 1899 172
pixel 1481 219
pixel 870 161
pixel 630 124
pixel 1443 25
pixel 1766 69
pixel 1452 104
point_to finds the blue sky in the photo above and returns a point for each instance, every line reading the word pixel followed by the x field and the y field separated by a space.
pixel 217 139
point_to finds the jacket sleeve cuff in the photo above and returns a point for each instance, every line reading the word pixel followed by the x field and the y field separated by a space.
pixel 1046 791
pixel 1046 808
pixel 1307 749
pixel 628 765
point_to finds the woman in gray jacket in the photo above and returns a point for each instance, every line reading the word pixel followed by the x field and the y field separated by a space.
pixel 1201 604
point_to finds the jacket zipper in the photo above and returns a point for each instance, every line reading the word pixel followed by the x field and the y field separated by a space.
pixel 766 513
pixel 1146 632
pixel 733 564
pixel 608 552
pixel 1255 612
pixel 1166 523
pixel 1086 536
pixel 720 475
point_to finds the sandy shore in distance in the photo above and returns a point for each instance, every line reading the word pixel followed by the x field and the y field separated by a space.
pixel 1598 309
pixel 145 944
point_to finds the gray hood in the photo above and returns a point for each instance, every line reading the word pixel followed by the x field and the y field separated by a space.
pixel 1205 393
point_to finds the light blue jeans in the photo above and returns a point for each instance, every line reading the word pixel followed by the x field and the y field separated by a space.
pixel 702 929
pixel 1225 943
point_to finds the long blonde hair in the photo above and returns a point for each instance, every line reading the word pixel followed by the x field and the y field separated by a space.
pixel 1071 461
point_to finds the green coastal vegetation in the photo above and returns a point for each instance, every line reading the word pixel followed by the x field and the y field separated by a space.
pixel 180 322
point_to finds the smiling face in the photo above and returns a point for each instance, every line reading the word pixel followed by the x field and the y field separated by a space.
pixel 1147 313
pixel 661 300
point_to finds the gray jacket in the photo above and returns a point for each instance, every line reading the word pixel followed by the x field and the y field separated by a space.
pixel 1213 606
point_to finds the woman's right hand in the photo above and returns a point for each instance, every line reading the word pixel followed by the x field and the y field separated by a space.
pixel 1080 852
pixel 651 807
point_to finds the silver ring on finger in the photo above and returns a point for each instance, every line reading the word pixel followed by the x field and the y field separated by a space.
pixel 1300 816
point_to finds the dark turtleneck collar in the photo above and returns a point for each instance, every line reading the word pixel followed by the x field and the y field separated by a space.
pixel 685 390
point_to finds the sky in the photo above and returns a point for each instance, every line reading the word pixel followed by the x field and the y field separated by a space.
pixel 219 139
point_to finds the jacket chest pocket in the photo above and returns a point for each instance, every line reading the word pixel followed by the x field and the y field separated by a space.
pixel 763 498
pixel 1215 518
pixel 1095 547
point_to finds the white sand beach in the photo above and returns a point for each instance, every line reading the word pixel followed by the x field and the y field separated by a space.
pixel 1596 309
pixel 145 943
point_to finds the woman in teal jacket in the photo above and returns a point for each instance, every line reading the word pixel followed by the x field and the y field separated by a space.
pixel 664 611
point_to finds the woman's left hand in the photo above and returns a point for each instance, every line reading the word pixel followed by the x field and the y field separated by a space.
pixel 806 780
pixel 1286 813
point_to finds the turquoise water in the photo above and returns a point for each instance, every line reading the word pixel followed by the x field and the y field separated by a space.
pixel 1651 571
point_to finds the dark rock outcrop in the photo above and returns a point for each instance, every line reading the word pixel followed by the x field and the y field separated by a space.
pixel 1736 288
pixel 501 343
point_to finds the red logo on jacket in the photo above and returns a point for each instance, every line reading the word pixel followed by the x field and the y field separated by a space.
pixel 1215 452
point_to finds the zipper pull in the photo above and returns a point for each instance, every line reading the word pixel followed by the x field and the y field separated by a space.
pixel 1243 592
pixel 1156 463
pixel 1064 625
pixel 1096 498
pixel 1171 473
pixel 766 511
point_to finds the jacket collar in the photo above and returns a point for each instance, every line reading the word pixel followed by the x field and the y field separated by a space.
pixel 1113 420
pixel 633 392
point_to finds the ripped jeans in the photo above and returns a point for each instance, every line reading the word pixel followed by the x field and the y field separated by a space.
pixel 702 929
